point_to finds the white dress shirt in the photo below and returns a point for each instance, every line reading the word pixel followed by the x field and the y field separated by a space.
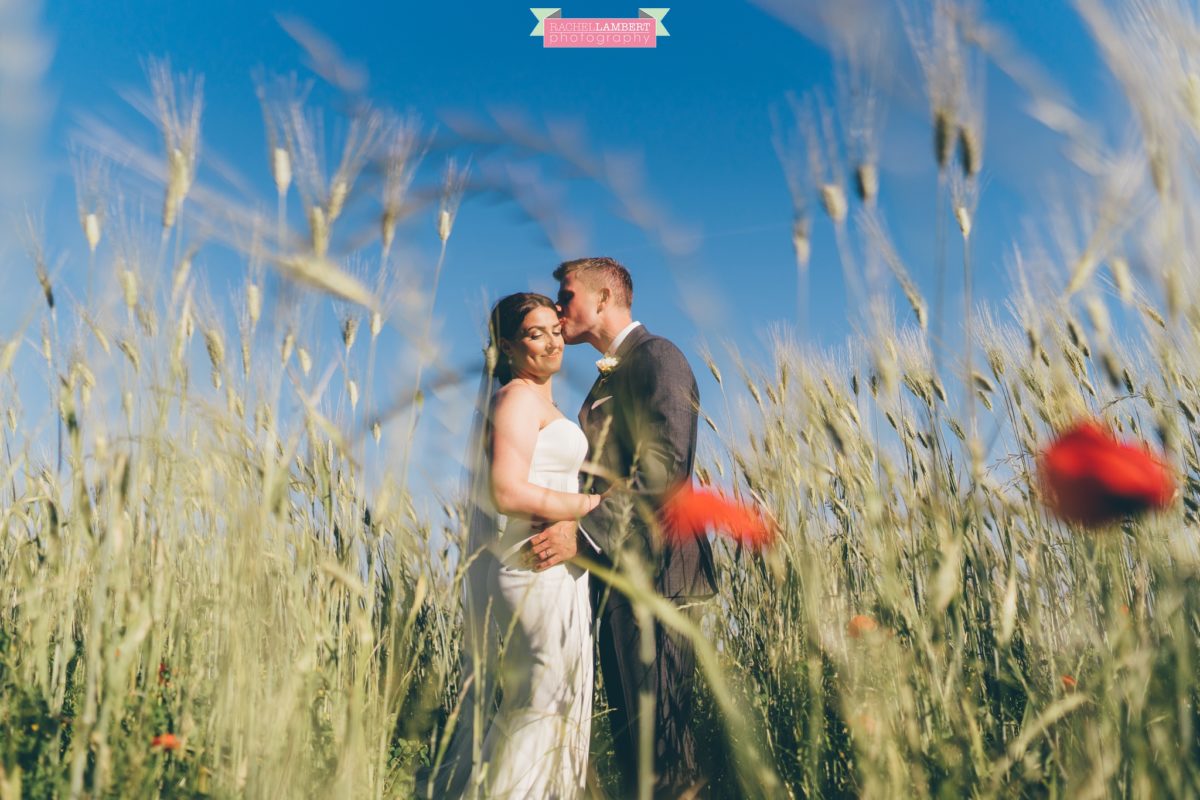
pixel 620 338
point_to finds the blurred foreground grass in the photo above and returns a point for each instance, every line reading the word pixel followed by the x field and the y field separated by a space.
pixel 207 561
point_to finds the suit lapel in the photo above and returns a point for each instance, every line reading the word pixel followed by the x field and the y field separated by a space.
pixel 605 384
pixel 585 409
pixel 631 340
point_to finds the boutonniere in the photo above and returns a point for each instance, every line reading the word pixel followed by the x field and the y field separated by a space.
pixel 607 364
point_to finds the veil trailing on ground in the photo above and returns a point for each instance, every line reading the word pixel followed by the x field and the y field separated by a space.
pixel 455 775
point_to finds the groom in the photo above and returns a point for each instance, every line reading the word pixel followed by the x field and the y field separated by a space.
pixel 640 421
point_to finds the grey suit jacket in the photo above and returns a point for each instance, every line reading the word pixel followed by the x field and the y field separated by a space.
pixel 640 421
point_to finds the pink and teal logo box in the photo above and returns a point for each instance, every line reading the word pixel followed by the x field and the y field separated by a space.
pixel 603 32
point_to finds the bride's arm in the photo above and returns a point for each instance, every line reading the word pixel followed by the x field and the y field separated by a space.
pixel 514 434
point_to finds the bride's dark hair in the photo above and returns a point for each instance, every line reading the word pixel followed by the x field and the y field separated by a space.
pixel 505 323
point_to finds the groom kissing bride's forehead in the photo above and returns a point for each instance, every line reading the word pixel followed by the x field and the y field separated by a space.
pixel 531 512
pixel 593 291
pixel 640 421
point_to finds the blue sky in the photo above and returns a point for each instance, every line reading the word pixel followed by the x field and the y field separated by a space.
pixel 694 112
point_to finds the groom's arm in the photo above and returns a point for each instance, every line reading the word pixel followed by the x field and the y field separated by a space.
pixel 663 423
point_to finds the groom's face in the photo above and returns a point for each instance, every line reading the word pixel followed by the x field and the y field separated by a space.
pixel 577 309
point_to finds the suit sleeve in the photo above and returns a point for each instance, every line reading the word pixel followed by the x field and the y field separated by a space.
pixel 659 431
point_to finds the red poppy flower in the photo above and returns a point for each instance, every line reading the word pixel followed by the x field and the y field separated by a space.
pixel 1069 683
pixel 860 625
pixel 166 741
pixel 692 512
pixel 1091 478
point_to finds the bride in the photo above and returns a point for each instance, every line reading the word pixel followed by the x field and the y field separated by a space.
pixel 527 467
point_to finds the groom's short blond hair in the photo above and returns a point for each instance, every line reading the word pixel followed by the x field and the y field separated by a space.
pixel 600 272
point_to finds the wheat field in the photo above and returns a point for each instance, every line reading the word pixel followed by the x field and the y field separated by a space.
pixel 211 585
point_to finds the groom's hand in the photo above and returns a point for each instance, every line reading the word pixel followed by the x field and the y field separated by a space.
pixel 555 544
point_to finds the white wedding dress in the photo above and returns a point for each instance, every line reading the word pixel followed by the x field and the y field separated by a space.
pixel 537 744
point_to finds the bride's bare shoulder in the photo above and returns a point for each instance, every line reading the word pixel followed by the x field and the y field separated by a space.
pixel 517 399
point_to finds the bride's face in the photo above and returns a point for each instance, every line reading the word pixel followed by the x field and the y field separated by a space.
pixel 537 349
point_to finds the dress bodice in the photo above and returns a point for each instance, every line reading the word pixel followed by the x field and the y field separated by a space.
pixel 558 454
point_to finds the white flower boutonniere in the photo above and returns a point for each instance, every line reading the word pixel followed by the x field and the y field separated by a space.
pixel 607 364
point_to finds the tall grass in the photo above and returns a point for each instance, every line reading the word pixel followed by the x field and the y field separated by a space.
pixel 215 559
